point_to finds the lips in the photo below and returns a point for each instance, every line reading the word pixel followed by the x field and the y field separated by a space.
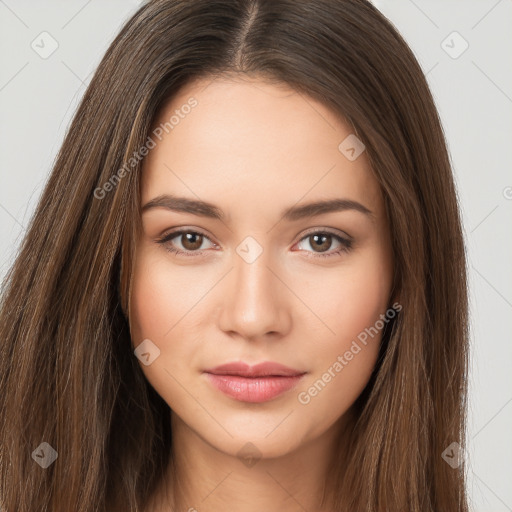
pixel 259 383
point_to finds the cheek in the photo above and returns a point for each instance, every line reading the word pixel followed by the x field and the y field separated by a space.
pixel 160 301
pixel 150 300
pixel 352 304
pixel 161 296
pixel 352 298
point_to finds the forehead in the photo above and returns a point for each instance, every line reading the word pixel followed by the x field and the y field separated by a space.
pixel 224 139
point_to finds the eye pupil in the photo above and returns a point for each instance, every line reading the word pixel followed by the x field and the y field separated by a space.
pixel 324 237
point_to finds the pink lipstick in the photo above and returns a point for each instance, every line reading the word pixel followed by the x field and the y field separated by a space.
pixel 259 383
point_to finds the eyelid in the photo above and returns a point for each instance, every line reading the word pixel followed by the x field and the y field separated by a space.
pixel 186 229
pixel 169 235
pixel 330 231
pixel 344 239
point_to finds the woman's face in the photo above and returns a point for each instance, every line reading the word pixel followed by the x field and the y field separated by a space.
pixel 260 276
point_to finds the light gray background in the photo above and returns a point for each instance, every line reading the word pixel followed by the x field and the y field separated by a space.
pixel 473 93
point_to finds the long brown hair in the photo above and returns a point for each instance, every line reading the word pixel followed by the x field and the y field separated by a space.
pixel 68 375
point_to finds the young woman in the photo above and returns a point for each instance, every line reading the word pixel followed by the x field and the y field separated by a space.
pixel 244 286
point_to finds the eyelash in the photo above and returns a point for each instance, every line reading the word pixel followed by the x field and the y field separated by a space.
pixel 346 244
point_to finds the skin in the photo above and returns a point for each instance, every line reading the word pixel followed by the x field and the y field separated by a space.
pixel 254 148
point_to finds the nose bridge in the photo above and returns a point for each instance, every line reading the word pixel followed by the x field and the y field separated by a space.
pixel 253 303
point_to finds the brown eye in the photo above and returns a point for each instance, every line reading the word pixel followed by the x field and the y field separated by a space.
pixel 321 242
pixel 184 242
pixel 191 241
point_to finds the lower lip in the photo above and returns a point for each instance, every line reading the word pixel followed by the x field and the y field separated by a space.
pixel 253 389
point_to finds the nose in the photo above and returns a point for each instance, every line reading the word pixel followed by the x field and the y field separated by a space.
pixel 255 301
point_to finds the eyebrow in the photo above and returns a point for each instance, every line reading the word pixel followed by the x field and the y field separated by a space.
pixel 293 213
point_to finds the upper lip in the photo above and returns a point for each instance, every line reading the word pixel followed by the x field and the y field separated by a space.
pixel 264 369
